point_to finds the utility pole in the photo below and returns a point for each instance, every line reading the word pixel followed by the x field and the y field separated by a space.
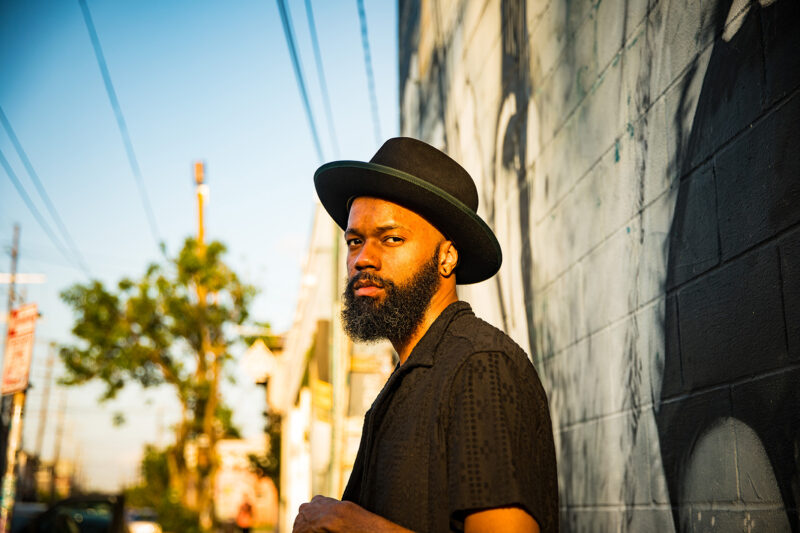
pixel 202 194
pixel 206 442
pixel 16 371
pixel 45 402
pixel 5 415
pixel 12 284
pixel 57 444
pixel 10 477
pixel 6 401
pixel 77 468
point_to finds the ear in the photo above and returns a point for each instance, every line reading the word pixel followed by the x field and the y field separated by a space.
pixel 448 258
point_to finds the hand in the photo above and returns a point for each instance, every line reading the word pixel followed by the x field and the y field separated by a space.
pixel 321 514
pixel 328 515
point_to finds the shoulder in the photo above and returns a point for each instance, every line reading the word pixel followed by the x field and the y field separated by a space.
pixel 473 338
pixel 484 359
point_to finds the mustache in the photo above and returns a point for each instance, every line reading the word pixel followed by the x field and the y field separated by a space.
pixel 398 314
pixel 362 279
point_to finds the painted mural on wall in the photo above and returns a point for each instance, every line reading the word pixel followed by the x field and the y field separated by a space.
pixel 651 262
pixel 513 287
pixel 729 401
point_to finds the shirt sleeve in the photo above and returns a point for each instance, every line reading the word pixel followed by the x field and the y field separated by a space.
pixel 495 454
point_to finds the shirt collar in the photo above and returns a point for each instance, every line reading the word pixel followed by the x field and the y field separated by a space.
pixel 422 354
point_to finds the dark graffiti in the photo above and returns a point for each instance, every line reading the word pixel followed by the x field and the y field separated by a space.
pixel 731 346
pixel 516 84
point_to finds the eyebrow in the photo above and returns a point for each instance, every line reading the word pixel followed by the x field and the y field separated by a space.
pixel 388 227
pixel 379 229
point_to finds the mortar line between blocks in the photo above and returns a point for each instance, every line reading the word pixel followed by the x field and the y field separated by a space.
pixel 603 240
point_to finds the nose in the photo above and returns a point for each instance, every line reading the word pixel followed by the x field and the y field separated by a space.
pixel 367 257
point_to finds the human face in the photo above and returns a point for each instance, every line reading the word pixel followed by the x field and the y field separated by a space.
pixel 401 311
pixel 377 304
pixel 388 240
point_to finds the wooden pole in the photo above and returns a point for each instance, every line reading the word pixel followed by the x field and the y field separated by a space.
pixel 202 192
pixel 10 430
pixel 45 402
pixel 5 402
pixel 207 440
pixel 62 409
pixel 10 477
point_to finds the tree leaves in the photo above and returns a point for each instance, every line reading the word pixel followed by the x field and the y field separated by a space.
pixel 172 326
pixel 151 330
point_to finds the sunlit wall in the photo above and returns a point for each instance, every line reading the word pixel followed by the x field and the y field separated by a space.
pixel 638 162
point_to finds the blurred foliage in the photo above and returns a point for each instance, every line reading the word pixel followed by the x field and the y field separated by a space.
pixel 268 464
pixel 154 492
pixel 118 419
pixel 173 325
pixel 225 418
pixel 152 330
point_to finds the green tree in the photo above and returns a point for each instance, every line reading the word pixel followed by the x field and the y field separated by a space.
pixel 154 492
pixel 170 326
pixel 268 464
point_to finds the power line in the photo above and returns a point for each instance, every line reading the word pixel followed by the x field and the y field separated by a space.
pixel 323 86
pixel 44 255
pixel 42 192
pixel 53 260
pixel 32 208
pixel 298 73
pixel 376 121
pixel 123 128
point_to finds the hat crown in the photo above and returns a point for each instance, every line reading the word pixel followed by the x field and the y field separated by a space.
pixel 420 178
pixel 427 163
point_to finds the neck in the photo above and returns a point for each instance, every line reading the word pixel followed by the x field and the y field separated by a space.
pixel 443 297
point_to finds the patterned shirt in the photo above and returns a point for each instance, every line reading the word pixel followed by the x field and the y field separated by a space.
pixel 462 426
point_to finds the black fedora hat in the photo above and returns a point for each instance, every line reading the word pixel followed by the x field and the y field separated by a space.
pixel 421 178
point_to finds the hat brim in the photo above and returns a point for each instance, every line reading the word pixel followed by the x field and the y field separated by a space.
pixel 479 254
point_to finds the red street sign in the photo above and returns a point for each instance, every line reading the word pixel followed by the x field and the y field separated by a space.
pixel 19 348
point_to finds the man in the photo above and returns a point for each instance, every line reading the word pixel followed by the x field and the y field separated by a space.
pixel 460 438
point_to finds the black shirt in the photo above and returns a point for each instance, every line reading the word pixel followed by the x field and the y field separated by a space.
pixel 462 426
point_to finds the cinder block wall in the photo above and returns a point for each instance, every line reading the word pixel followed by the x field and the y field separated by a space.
pixel 640 163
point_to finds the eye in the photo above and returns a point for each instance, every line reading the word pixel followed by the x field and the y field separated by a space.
pixel 393 239
pixel 353 241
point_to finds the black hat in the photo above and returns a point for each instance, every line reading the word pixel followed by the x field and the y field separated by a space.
pixel 421 178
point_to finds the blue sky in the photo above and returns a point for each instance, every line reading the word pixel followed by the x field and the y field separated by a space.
pixel 195 80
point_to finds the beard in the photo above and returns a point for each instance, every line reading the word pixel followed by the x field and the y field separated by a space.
pixel 400 313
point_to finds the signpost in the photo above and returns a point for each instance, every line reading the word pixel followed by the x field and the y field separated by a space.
pixel 16 369
pixel 19 347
